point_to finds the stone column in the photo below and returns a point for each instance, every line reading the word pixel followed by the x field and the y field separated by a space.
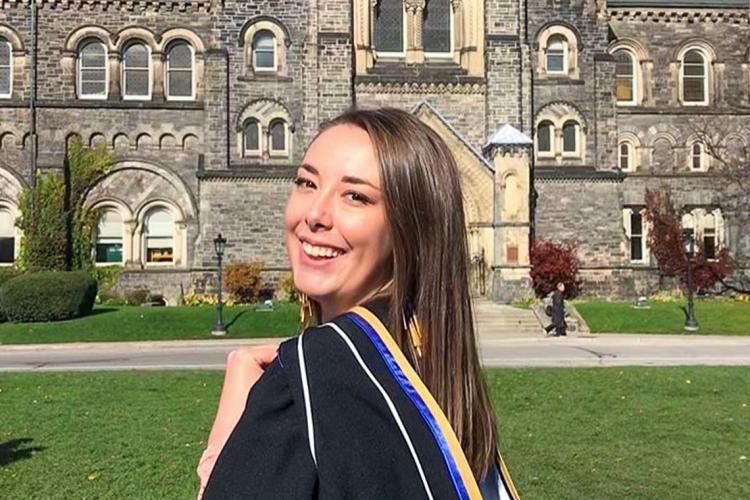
pixel 157 63
pixel 414 13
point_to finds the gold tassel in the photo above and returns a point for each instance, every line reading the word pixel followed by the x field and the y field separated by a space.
pixel 415 334
pixel 305 311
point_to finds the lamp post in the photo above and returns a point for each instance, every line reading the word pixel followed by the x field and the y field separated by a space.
pixel 688 241
pixel 219 328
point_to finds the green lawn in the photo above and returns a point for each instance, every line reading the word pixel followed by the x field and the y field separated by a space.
pixel 566 433
pixel 118 323
pixel 714 317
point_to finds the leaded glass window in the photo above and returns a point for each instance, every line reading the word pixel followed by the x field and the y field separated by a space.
pixel 389 26
pixel 6 68
pixel 570 137
pixel 544 137
pixel 136 71
pixel 436 26
pixel 92 70
pixel 252 136
pixel 694 77
pixel 264 51
pixel 625 77
pixel 180 71
pixel 277 131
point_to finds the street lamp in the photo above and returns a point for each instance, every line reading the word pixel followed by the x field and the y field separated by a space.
pixel 219 244
pixel 688 241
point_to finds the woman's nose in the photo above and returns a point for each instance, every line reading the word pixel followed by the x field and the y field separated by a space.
pixel 319 214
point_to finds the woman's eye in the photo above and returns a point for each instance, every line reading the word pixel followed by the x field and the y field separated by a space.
pixel 357 197
pixel 301 182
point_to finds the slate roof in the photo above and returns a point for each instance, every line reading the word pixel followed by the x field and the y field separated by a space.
pixel 676 4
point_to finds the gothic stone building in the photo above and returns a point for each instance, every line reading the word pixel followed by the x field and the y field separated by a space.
pixel 560 113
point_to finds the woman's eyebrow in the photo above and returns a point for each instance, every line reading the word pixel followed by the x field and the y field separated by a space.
pixel 357 180
pixel 309 168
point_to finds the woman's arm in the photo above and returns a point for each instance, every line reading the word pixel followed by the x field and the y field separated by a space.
pixel 244 368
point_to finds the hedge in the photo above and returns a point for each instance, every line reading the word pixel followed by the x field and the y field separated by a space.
pixel 48 296
pixel 6 274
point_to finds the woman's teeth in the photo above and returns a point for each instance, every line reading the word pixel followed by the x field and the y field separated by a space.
pixel 316 251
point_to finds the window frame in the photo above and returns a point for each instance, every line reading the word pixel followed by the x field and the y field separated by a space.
pixel 253 51
pixel 705 77
pixel 145 238
pixel 577 136
pixel 449 53
pixel 149 69
pixel 278 152
pixel 193 78
pixel 701 156
pixel 628 214
pixel 9 95
pixel 550 153
pixel 122 239
pixel 252 152
pixel 79 70
pixel 404 40
pixel 630 147
pixel 633 78
pixel 565 48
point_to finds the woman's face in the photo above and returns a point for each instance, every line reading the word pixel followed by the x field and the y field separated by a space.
pixel 337 233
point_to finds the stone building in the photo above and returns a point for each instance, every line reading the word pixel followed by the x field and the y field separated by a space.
pixel 560 113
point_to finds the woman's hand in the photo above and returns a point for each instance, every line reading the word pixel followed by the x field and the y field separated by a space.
pixel 244 368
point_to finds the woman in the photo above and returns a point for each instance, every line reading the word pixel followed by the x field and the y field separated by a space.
pixel 386 398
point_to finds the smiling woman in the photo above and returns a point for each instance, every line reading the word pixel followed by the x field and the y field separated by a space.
pixel 384 398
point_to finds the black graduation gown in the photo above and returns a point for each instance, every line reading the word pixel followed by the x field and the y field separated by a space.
pixel 337 415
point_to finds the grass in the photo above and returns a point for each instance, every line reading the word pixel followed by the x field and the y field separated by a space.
pixel 633 433
pixel 714 316
pixel 129 323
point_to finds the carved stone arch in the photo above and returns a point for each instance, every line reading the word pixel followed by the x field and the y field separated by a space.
pixel 264 110
pixel 167 141
pixel 144 141
pixel 121 142
pixel 629 136
pixel 559 112
pixel 15 40
pixel 664 135
pixel 8 141
pixel 113 202
pixel 140 33
pixel 190 142
pixel 11 185
pixel 258 23
pixel 174 34
pixel 632 45
pixel 95 139
pixel 695 43
pixel 546 30
pixel 73 41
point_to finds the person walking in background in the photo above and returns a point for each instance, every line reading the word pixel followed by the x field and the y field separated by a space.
pixel 557 311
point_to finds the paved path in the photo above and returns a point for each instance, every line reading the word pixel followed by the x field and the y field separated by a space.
pixel 597 350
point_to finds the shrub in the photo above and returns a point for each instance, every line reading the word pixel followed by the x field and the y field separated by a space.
pixel 552 263
pixel 106 278
pixel 48 296
pixel 243 282
pixel 135 297
pixel 288 289
pixel 6 274
pixel 207 299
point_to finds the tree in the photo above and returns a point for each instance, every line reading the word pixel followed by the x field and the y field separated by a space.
pixel 552 263
pixel 666 244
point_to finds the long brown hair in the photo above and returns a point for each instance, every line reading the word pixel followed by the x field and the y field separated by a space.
pixel 422 194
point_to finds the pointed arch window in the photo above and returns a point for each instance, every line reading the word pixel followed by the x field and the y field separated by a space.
pixel 180 67
pixel 694 78
pixel 109 233
pixel 389 27
pixel 625 78
pixel 436 27
pixel 136 72
pixel 159 236
pixel 264 51
pixel 6 69
pixel 93 71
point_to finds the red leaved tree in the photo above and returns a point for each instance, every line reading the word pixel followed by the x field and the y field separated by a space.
pixel 552 263
pixel 666 245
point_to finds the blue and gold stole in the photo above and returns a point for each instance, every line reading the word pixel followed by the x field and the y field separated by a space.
pixel 500 486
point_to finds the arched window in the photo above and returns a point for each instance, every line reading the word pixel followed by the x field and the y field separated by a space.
pixel 251 137
pixel 93 73
pixel 277 132
pixel 136 72
pixel 180 66
pixel 544 137
pixel 109 232
pixel 557 54
pixel 6 68
pixel 697 158
pixel 436 27
pixel 264 51
pixel 694 78
pixel 625 156
pixel 159 236
pixel 7 236
pixel 570 137
pixel 389 27
pixel 625 81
